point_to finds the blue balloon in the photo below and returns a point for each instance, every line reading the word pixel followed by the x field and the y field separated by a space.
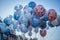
pixel 32 4
pixel 49 23
pixel 24 28
pixel 35 21
pixel 16 8
pixel 15 25
pixel 44 17
pixel 10 16
pixel 7 32
pixel 0 21
pixel 16 16
pixel 7 21
pixel 43 24
pixel 20 7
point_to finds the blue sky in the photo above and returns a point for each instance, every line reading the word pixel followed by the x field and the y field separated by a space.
pixel 7 8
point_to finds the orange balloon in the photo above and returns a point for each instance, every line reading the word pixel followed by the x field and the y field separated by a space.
pixel 43 33
pixel 40 10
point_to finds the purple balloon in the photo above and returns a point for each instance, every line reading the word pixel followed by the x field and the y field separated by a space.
pixel 36 30
pixel 30 28
pixel 47 28
pixel 30 33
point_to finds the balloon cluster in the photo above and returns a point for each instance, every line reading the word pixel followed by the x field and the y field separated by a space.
pixel 28 17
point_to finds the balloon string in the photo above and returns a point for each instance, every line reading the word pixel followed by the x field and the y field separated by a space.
pixel 1 36
pixel 24 36
pixel 53 31
pixel 30 37
pixel 35 35
pixel 43 38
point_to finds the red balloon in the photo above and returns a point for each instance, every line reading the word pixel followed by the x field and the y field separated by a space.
pixel 40 10
pixel 43 33
pixel 51 14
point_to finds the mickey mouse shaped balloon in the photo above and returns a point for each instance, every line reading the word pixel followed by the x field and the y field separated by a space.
pixel 40 10
pixel 17 12
pixel 7 21
pixel 51 14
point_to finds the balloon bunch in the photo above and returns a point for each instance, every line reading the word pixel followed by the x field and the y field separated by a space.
pixel 28 17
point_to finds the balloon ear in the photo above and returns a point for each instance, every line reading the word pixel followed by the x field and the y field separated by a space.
pixel 20 7
pixel 16 8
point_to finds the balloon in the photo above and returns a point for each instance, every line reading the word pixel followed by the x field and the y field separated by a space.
pixel 35 21
pixel 16 15
pixel 28 15
pixel 30 33
pixel 59 20
pixel 7 32
pixel 21 38
pixel 10 16
pixel 23 28
pixel 40 10
pixel 50 24
pixel 36 30
pixel 44 17
pixel 7 21
pixel 30 28
pixel 31 39
pixel 20 7
pixel 28 23
pixel 51 14
pixel 2 27
pixel 47 28
pixel 12 29
pixel 18 28
pixel 32 4
pixel 16 8
pixel 15 25
pixel 35 39
pixel 11 26
pixel 43 24
pixel 56 22
pixel 23 20
pixel 27 9
pixel 0 19
pixel 43 33
pixel 27 12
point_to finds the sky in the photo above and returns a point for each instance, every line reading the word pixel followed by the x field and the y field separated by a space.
pixel 7 8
